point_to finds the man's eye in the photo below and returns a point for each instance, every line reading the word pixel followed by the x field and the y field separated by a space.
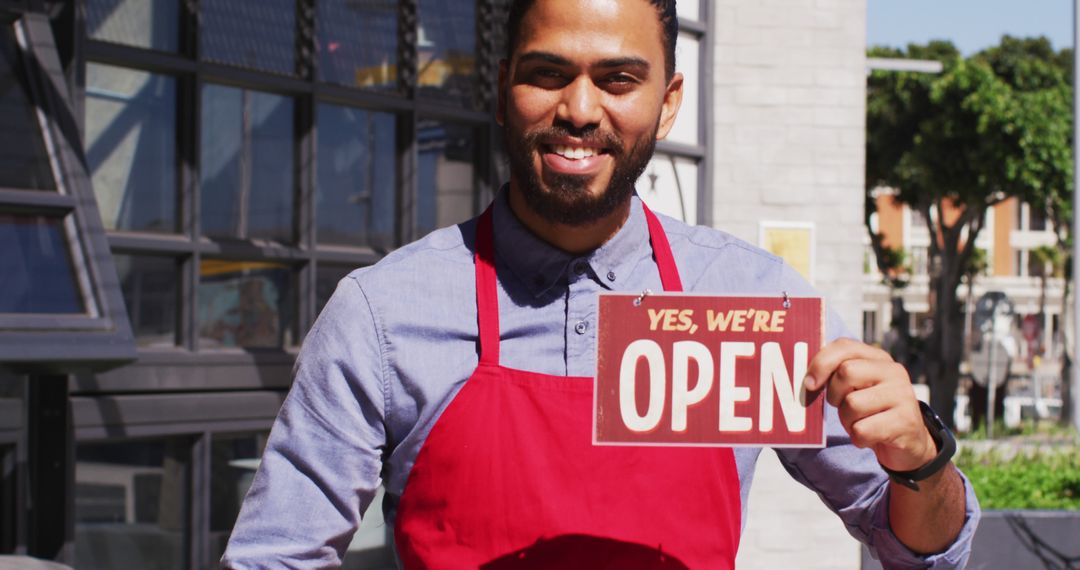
pixel 620 82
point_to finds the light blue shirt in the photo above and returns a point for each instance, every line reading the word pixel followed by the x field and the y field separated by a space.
pixel 398 340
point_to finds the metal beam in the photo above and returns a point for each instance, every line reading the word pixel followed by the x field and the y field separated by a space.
pixel 897 64
pixel 1076 222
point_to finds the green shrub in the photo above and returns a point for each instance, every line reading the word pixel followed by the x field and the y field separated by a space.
pixel 1043 480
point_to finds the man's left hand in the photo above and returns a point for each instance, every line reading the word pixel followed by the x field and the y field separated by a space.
pixel 875 401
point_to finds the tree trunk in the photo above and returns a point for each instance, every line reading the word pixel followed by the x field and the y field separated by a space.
pixel 945 349
pixel 1067 410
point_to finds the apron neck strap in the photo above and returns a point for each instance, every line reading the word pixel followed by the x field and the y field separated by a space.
pixel 487 291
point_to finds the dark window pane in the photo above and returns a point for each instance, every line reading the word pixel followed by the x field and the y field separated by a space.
pixel 1037 221
pixel 142 23
pixel 356 177
pixel 131 504
pixel 24 162
pixel 247 175
pixel 447 154
pixel 246 304
pixel 326 281
pixel 233 461
pixel 447 50
pixel 36 267
pixel 8 514
pixel 358 42
pixel 150 290
pixel 131 147
pixel 258 34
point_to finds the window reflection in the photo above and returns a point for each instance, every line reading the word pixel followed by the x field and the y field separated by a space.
pixel 358 42
pixel 36 267
pixel 131 504
pixel 259 34
pixel 446 177
pixel 247 175
pixel 247 304
pixel 233 462
pixel 447 50
pixel 326 282
pixel 356 177
pixel 150 292
pixel 24 163
pixel 141 23
pixel 131 147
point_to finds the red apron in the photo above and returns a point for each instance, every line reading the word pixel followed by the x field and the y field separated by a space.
pixel 509 477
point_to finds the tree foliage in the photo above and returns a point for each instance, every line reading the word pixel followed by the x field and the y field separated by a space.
pixel 989 127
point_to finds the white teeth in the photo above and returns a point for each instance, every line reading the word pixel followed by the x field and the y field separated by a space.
pixel 574 153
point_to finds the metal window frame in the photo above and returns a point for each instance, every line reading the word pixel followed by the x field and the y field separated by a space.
pixel 189 246
pixel 101 338
pixel 195 417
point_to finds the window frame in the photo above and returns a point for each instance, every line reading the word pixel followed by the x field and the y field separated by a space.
pixel 101 338
pixel 189 246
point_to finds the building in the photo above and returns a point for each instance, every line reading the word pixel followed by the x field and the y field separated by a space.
pixel 191 179
pixel 1013 229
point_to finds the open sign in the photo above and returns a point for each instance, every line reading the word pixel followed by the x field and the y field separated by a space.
pixel 677 369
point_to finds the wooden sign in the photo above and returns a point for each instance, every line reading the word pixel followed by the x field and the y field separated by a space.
pixel 684 370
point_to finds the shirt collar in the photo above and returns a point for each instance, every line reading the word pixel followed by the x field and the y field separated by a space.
pixel 540 266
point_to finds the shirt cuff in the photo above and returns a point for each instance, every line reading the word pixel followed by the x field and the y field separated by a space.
pixel 892 553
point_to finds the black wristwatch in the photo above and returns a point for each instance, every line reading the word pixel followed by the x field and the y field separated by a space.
pixel 946 446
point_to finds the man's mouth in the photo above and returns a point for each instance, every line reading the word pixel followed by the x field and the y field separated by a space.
pixel 574 152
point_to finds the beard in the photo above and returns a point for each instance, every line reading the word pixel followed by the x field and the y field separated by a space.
pixel 565 198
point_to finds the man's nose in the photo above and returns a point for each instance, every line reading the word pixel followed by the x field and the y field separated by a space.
pixel 581 103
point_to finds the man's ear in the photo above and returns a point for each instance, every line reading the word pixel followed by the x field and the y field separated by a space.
pixel 504 78
pixel 670 108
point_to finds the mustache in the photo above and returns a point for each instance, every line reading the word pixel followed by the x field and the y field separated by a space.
pixel 591 136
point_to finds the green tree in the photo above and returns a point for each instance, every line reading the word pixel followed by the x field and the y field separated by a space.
pixel 990 127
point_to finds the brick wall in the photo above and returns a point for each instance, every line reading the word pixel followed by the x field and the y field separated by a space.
pixel 789 129
pixel 789 146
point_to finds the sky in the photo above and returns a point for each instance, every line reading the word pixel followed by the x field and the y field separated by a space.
pixel 971 24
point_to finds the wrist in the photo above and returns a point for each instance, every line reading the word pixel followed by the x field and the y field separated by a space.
pixel 940 449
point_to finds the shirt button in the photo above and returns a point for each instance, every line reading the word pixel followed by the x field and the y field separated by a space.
pixel 610 275
pixel 581 327
pixel 580 268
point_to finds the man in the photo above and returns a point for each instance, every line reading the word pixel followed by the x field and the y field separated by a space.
pixel 456 372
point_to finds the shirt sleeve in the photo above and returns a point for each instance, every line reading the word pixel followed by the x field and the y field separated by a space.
pixel 852 484
pixel 321 466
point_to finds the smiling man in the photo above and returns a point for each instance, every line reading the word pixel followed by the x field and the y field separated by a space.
pixel 469 396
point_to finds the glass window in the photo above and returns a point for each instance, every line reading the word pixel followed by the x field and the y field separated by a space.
pixel 447 173
pixel 141 23
pixel 670 186
pixel 326 282
pixel 131 147
pixel 247 175
pixel 24 164
pixel 36 265
pixel 687 62
pixel 150 291
pixel 1036 218
pixel 249 304
pixel 233 462
pixel 356 180
pixel 447 50
pixel 358 42
pixel 132 504
pixel 258 34
pixel 689 9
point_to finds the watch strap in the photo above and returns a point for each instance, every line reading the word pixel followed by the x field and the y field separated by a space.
pixel 946 446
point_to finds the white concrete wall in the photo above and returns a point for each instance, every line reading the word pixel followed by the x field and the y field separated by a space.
pixel 789 129
pixel 789 146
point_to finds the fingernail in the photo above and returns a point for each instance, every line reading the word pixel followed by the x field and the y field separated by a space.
pixel 810 383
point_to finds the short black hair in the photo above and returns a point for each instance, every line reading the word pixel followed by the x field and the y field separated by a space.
pixel 665 11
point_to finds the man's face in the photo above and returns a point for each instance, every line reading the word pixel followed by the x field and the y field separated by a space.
pixel 582 103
